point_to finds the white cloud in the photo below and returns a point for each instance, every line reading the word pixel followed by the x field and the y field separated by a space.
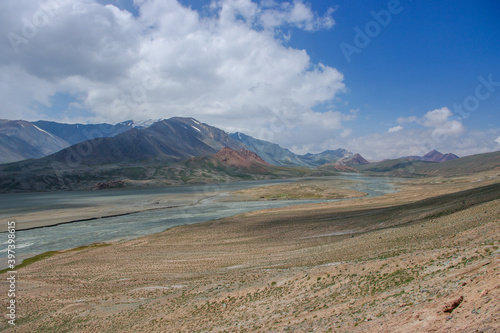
pixel 395 129
pixel 436 117
pixel 229 68
pixel 346 132
pixel 78 39
pixel 498 140
pixel 305 131
pixel 297 14
pixel 419 141
pixel 435 130
pixel 410 119
pixel 439 120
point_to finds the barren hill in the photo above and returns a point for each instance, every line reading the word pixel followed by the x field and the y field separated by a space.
pixel 241 157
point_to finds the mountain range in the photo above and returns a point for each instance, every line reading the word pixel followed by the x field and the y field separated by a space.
pixel 171 139
pixel 169 151
pixel 21 140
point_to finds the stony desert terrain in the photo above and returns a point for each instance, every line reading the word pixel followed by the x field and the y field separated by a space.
pixel 424 259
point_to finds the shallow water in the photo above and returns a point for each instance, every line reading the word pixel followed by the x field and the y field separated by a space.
pixel 16 203
pixel 70 235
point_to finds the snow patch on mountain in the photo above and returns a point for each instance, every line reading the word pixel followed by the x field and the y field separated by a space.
pixel 41 130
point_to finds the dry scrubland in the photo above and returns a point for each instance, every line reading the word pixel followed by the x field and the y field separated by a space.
pixel 405 262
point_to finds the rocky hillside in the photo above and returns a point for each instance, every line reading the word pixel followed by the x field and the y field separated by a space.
pixel 272 153
pixel 242 158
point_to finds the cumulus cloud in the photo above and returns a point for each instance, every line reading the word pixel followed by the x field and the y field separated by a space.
pixel 439 121
pixel 418 141
pixel 74 39
pixel 305 131
pixel 434 130
pixel 230 67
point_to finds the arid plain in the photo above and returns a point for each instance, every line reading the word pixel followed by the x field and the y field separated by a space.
pixel 423 259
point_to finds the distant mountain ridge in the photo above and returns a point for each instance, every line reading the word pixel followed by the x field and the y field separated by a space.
pixel 75 133
pixel 406 167
pixel 326 157
pixel 434 156
pixel 277 155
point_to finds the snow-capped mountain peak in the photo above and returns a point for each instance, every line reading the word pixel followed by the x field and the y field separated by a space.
pixel 140 123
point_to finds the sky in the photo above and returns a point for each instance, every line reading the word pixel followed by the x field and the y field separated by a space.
pixel 382 78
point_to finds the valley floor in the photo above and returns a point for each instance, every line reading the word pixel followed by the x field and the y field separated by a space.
pixel 306 189
pixel 425 259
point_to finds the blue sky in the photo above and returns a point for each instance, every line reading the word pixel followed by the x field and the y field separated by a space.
pixel 429 56
pixel 425 75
